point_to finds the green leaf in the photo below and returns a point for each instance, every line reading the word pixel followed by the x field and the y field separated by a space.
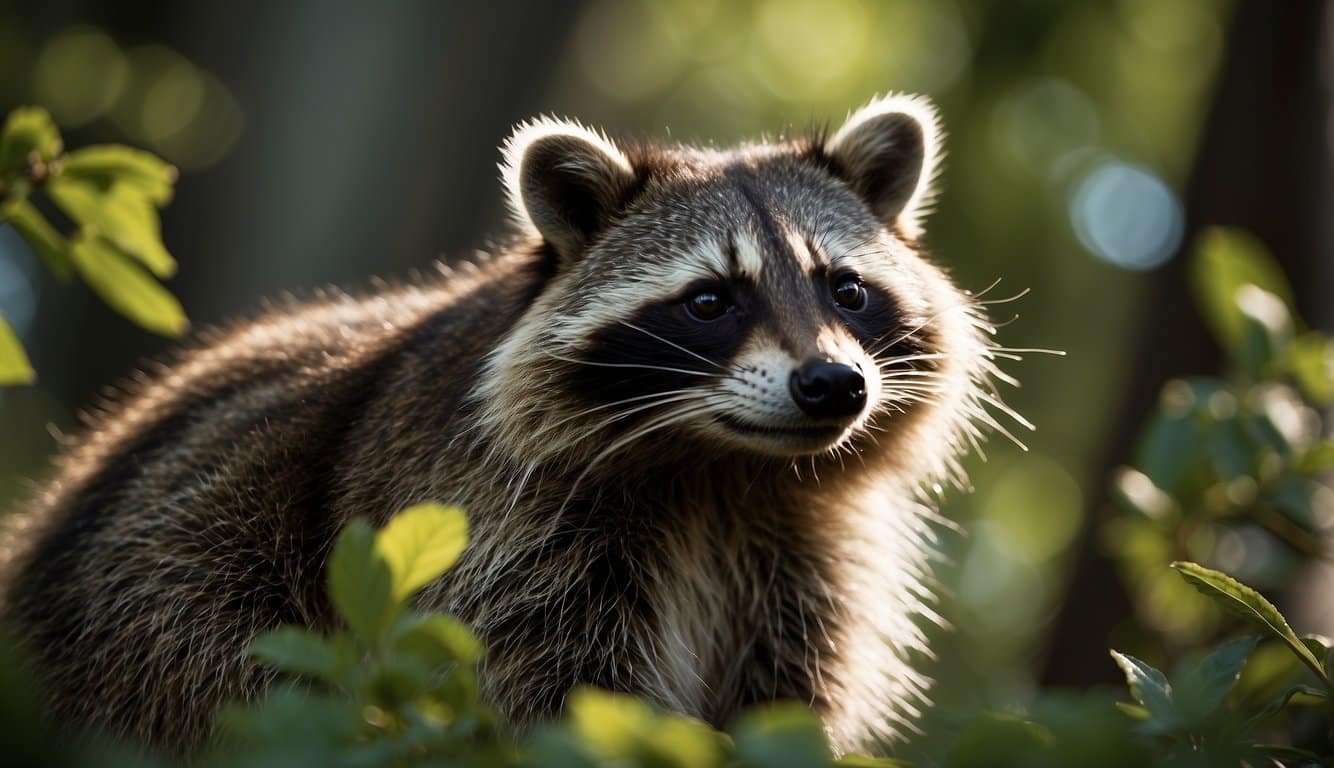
pixel 436 640
pixel 1310 360
pixel 1282 700
pixel 1133 711
pixel 1267 329
pixel 124 286
pixel 1249 605
pixel 1230 452
pixel 105 164
pixel 397 680
pixel 1150 688
pixel 1288 753
pixel 1001 740
pixel 682 742
pixel 121 214
pixel 1318 459
pixel 14 365
pixel 1319 646
pixel 49 245
pixel 1225 261
pixel 785 735
pixel 361 584
pixel 623 730
pixel 609 724
pixel 1173 448
pixel 420 543
pixel 28 130
pixel 299 651
pixel 289 726
pixel 1199 686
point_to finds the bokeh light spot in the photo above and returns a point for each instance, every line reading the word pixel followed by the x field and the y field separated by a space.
pixel 78 75
pixel 171 102
pixel 1127 216
pixel 1044 121
pixel 807 47
pixel 1037 508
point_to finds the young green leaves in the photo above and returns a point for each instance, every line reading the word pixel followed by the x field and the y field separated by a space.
pixel 1248 305
pixel 399 688
pixel 1188 709
pixel 1250 606
pixel 112 195
pixel 394 682
pixel 371 575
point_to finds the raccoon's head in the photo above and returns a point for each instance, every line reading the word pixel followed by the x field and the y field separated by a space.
pixel 768 299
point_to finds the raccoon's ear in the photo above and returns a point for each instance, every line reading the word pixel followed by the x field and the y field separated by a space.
pixel 888 152
pixel 564 181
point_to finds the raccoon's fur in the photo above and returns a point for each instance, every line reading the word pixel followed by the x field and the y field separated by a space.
pixel 695 410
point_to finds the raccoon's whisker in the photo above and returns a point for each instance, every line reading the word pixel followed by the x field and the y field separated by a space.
pixel 911 358
pixel 912 374
pixel 663 368
pixel 986 290
pixel 1006 300
pixel 912 385
pixel 917 395
pixel 991 421
pixel 691 396
pixel 896 401
pixel 966 305
pixel 652 426
pixel 912 377
pixel 892 388
pixel 1028 351
pixel 618 403
pixel 890 361
pixel 671 343
pixel 923 389
pixel 1007 410
pixel 644 407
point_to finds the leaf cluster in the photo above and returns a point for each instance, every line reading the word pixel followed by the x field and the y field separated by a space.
pixel 110 195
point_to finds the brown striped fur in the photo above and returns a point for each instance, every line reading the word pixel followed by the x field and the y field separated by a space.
pixel 199 511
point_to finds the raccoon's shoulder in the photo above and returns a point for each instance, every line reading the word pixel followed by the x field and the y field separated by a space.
pixel 328 355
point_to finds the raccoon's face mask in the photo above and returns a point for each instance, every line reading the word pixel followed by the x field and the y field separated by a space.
pixel 769 298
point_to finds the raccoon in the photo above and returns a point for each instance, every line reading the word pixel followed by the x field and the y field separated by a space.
pixel 697 406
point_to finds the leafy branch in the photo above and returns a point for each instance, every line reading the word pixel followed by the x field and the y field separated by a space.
pixel 1186 711
pixel 111 194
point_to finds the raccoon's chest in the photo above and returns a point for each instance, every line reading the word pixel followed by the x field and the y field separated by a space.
pixel 736 619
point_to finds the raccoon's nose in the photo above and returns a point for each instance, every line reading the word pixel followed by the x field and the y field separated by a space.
pixel 827 390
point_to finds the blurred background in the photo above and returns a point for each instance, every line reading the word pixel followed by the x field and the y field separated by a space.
pixel 1089 143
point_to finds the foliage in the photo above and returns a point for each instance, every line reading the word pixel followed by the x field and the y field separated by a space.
pixel 1196 716
pixel 399 688
pixel 111 194
pixel 1227 471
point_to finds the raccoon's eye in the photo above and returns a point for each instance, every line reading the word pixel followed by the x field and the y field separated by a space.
pixel 849 292
pixel 707 304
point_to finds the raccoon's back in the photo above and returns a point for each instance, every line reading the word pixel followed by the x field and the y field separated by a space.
pixel 199 511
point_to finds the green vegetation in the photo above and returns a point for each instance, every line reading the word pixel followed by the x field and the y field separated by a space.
pixel 1229 461
pixel 399 688
pixel 1237 455
pixel 111 194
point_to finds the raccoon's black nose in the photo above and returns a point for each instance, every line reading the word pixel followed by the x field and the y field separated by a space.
pixel 825 390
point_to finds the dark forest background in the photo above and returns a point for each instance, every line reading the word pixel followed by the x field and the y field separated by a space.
pixel 327 142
